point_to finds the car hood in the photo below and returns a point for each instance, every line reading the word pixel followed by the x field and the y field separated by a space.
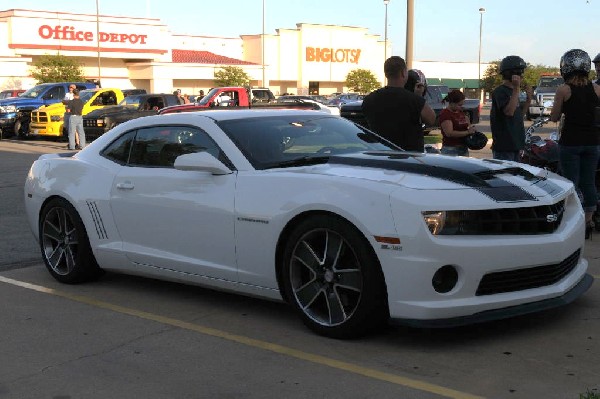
pixel 499 180
pixel 19 101
pixel 110 110
pixel 53 107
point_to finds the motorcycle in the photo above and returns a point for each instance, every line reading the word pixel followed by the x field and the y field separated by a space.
pixel 539 152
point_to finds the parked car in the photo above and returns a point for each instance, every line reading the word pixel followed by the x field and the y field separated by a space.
pixel 100 121
pixel 310 208
pixel 10 93
pixel 341 99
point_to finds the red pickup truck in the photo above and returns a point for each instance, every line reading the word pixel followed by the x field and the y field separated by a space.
pixel 235 97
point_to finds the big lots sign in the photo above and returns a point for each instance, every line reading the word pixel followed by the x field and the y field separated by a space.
pixel 59 32
pixel 318 54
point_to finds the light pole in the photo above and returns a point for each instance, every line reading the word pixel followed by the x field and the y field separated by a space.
pixel 385 2
pixel 410 24
pixel 263 44
pixel 98 39
pixel 481 11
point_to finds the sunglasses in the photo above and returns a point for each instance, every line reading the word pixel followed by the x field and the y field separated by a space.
pixel 420 85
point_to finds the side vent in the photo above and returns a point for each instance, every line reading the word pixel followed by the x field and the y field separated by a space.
pixel 97 218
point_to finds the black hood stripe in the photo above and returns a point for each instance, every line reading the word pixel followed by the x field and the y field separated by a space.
pixel 468 174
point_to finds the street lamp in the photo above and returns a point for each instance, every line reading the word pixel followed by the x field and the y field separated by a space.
pixel 385 2
pixel 98 39
pixel 481 11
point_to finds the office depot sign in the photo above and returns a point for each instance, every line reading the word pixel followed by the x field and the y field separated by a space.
pixel 59 32
pixel 318 54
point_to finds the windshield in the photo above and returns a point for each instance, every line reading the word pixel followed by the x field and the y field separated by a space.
pixel 85 95
pixel 131 101
pixel 34 92
pixel 295 140
pixel 551 81
pixel 208 96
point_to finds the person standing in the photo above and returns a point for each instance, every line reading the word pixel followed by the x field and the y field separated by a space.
pixel 67 114
pixel 395 113
pixel 577 99
pixel 506 114
pixel 75 121
pixel 177 93
pixel 455 125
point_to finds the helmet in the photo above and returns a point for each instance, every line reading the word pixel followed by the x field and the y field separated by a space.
pixel 476 141
pixel 512 62
pixel 575 61
pixel 596 58
pixel 415 76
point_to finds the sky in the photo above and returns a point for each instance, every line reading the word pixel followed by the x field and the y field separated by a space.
pixel 539 31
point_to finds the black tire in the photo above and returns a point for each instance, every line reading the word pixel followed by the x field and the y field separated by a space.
pixel 332 277
pixel 17 129
pixel 65 245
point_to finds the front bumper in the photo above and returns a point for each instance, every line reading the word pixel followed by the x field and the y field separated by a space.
pixel 8 120
pixel 496 314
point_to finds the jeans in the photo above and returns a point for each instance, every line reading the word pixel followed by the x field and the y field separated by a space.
pixel 579 164
pixel 76 127
pixel 506 155
pixel 460 150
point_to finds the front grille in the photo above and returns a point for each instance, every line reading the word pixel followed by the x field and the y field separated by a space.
pixel 39 117
pixel 544 219
pixel 523 279
pixel 90 123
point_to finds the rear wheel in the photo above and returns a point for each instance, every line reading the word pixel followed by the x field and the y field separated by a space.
pixel 65 245
pixel 332 277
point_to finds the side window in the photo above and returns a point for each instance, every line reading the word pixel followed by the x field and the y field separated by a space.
pixel 55 93
pixel 81 87
pixel 118 151
pixel 160 146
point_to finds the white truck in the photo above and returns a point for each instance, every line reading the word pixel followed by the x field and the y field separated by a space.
pixel 544 91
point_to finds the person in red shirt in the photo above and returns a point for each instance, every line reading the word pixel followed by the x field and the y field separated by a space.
pixel 455 126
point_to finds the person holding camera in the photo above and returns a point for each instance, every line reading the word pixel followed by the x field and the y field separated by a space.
pixel 455 126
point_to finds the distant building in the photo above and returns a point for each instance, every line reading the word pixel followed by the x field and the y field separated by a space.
pixel 131 52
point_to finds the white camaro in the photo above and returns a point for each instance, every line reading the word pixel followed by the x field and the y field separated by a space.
pixel 312 209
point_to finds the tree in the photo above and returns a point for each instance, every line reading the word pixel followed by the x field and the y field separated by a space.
pixel 362 81
pixel 492 79
pixel 231 76
pixel 57 68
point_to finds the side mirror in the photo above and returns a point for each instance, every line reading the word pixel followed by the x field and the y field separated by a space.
pixel 201 162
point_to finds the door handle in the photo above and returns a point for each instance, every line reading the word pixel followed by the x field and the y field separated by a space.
pixel 125 185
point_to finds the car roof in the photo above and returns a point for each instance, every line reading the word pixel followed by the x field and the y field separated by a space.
pixel 223 115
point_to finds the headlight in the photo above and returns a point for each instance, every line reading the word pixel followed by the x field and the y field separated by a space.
pixel 435 221
pixel 8 109
pixel 56 118
pixel 100 122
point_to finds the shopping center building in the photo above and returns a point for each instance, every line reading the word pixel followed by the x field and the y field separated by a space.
pixel 131 52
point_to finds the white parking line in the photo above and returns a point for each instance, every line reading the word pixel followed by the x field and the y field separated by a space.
pixel 264 345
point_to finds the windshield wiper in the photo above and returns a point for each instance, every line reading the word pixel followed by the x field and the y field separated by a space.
pixel 302 161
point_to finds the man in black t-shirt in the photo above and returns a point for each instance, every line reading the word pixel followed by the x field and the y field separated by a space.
pixel 75 107
pixel 396 113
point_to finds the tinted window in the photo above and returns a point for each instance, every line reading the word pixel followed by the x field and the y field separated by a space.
pixel 267 142
pixel 159 146
pixel 118 150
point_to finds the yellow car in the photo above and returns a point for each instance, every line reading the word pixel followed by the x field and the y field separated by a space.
pixel 48 120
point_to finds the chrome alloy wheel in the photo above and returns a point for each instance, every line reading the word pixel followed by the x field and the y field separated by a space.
pixel 59 240
pixel 326 277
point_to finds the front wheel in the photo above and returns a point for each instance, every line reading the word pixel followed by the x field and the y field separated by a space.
pixel 65 245
pixel 332 277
